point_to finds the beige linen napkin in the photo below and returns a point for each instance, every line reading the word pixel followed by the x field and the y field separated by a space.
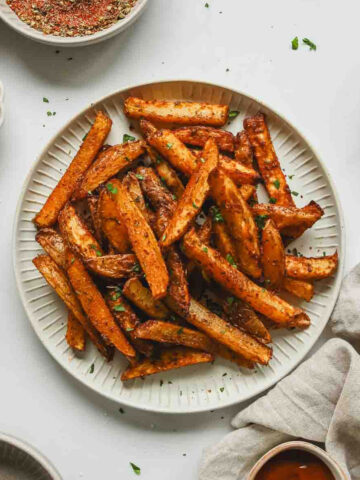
pixel 319 401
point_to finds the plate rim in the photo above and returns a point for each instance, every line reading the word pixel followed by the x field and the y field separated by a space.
pixel 266 385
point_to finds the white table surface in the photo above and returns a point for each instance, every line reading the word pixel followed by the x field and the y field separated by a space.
pixel 84 435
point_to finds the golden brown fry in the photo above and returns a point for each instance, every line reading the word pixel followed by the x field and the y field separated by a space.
pixel 113 160
pixel 299 288
pixel 57 279
pixel 75 333
pixel 239 221
pixel 311 268
pixel 114 266
pixel 185 113
pixel 243 150
pixel 287 218
pixel 170 178
pixel 73 175
pixel 141 296
pixel 53 244
pixel 239 173
pixel 143 241
pixel 224 243
pixel 111 224
pixel 273 256
pixel 131 183
pixel 169 359
pixel 94 305
pixel 193 198
pixel 247 191
pixel 93 203
pixel 204 232
pixel 198 136
pixel 268 163
pixel 178 290
pixel 239 285
pixel 128 321
pixel 225 333
pixel 77 235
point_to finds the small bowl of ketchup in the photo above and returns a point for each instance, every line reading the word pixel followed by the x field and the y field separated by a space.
pixel 296 461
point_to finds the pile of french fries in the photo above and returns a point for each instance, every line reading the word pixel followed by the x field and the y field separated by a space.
pixel 160 249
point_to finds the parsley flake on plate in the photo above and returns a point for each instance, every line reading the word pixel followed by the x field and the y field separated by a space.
pixel 136 469
pixel 128 138
pixel 111 188
pixel 295 43
pixel 309 43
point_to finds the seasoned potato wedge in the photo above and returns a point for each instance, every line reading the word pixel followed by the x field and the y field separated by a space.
pixel 53 244
pixel 248 192
pixel 224 243
pixel 143 241
pixel 111 223
pixel 199 135
pixel 57 279
pixel 185 113
pixel 168 359
pixel 273 256
pixel 109 163
pixel 75 333
pixel 194 196
pixel 77 234
pixel 114 266
pixel 94 305
pixel 178 289
pixel 225 333
pixel 128 321
pixel 204 232
pixel 243 150
pixel 240 222
pixel 268 163
pixel 299 288
pixel 170 178
pixel 141 296
pixel 239 173
pixel 93 203
pixel 312 268
pixel 73 175
pixel 239 285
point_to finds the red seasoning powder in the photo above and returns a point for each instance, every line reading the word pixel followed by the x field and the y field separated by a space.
pixel 71 18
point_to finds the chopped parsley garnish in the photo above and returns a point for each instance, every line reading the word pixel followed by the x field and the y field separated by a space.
pixel 136 469
pixel 116 294
pixel 173 196
pixel 86 134
pixel 233 114
pixel 309 43
pixel 163 238
pixel 207 5
pixel 111 188
pixel 119 308
pixel 128 138
pixel 295 193
pixel 180 331
pixel 202 160
pixel 231 260
pixel 221 389
pixel 224 374
pixel 205 249
pixel 295 43
pixel 98 253
pixel 272 200
pixel 194 205
pixel 121 410
pixel 129 329
pixel 45 100
pixel 291 176
pixel 324 254
pixel 260 220
pixel 136 268
pixel 161 383
pixel 169 145
pixel 138 176
pixel 276 183
pixel 216 215
pixel 230 300
pixel 92 368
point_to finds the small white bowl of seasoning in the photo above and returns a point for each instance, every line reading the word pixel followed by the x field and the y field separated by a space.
pixel 300 460
pixel 62 24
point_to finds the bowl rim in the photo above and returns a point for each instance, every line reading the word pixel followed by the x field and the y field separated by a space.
pixel 318 452
pixel 14 22
pixel 32 452
pixel 289 122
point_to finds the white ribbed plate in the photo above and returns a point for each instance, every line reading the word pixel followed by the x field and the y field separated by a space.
pixel 194 388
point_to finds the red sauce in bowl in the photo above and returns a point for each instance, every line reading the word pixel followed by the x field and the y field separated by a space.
pixel 294 465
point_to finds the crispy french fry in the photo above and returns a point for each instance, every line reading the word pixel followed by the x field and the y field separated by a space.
pixel 223 332
pixel 131 183
pixel 71 178
pixel 53 244
pixel 193 198
pixel 273 256
pixel 198 136
pixel 178 289
pixel 112 226
pixel 247 191
pixel 239 221
pixel 243 150
pixel 311 268
pixel 239 173
pixel 239 285
pixel 268 163
pixel 169 359
pixel 141 296
pixel 110 162
pixel 170 178
pixel 75 333
pixel 93 203
pixel 185 113
pixel 143 241
pixel 244 317
pixel 94 305
pixel 204 232
pixel 128 321
pixel 114 266
pixel 224 243
pixel 299 288
pixel 286 218
pixel 77 235
pixel 57 279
